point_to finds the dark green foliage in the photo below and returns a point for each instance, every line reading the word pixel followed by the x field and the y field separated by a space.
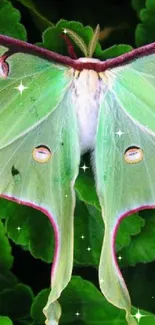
pixel 123 26
pixel 145 31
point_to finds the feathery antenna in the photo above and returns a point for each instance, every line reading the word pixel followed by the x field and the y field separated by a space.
pixel 78 40
pixel 93 42
pixel 86 50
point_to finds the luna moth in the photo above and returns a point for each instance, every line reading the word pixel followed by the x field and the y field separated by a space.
pixel 53 108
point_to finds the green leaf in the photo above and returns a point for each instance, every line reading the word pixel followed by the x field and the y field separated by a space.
pixel 142 247
pixel 83 297
pixel 37 307
pixel 6 259
pixel 114 51
pixel 36 9
pixel 146 319
pixel 141 285
pixel 5 206
pixel 16 302
pixel 86 191
pixel 25 227
pixel 10 21
pixel 89 233
pixel 53 40
pixel 130 226
pixel 82 303
pixel 150 4
pixel 145 32
pixel 5 320
pixel 7 280
pixel 138 5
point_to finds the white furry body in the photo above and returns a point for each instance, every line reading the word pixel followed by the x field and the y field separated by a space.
pixel 87 96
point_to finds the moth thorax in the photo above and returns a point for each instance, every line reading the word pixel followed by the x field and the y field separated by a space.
pixel 88 60
pixel 87 83
pixel 86 96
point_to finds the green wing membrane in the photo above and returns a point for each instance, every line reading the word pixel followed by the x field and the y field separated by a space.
pixel 123 185
pixel 134 86
pixel 45 85
pixel 47 186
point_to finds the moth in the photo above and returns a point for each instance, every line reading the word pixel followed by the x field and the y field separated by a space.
pixel 53 108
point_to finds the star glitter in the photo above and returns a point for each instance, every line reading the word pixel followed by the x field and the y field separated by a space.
pixel 84 167
pixel 138 315
pixel 21 88
pixel 119 133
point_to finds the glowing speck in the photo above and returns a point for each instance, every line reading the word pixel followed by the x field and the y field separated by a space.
pixel 66 195
pixel 120 257
pixel 18 228
pixel 101 281
pixel 21 88
pixel 84 167
pixel 65 31
pixel 138 315
pixel 119 133
pixel 82 237
pixel 77 313
pixel 88 249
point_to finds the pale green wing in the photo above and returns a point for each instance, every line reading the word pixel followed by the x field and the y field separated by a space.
pixel 33 88
pixel 39 155
pixel 134 86
pixel 125 177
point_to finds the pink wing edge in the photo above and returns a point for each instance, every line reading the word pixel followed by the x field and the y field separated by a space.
pixel 50 217
pixel 56 232
pixel 126 214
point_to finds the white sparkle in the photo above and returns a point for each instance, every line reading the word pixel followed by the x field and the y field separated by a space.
pixel 21 88
pixel 65 31
pixel 101 281
pixel 152 297
pixel 66 195
pixel 82 237
pixel 119 133
pixel 88 249
pixel 138 315
pixel 120 257
pixel 84 167
pixel 18 228
pixel 77 313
